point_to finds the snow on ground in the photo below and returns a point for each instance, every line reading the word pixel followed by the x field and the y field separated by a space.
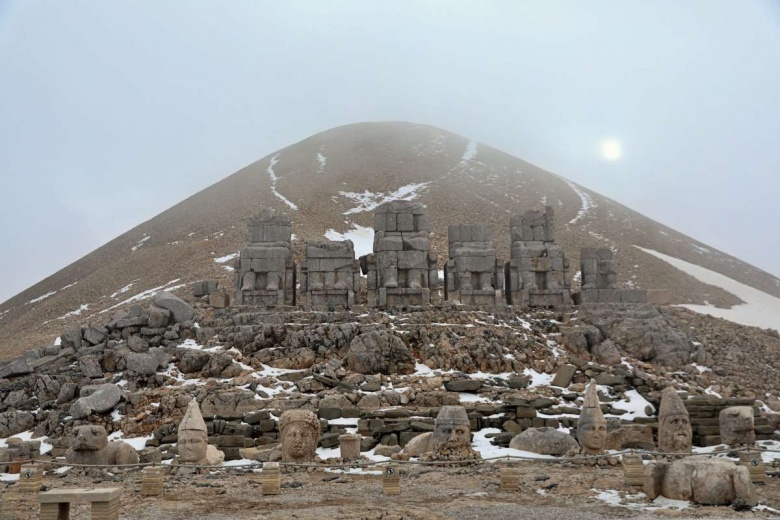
pixel 470 153
pixel 759 310
pixel 274 178
pixel 140 242
pixel 138 443
pixel 28 436
pixel 369 201
pixel 83 307
pixel 122 290
pixel 226 258
pixel 147 294
pixel 482 444
pixel 362 238
pixel 639 501
pixel 41 298
pixel 538 379
pixel 636 406
pixel 586 201
pixel 323 161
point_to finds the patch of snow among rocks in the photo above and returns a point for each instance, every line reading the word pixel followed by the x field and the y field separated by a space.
pixel 83 307
pixel 140 243
pixel 323 161
pixel 361 237
pixel 538 379
pixel 483 445
pixel 635 406
pixel 470 153
pixel 586 202
pixel 638 501
pixel 759 310
pixel 369 201
pixel 147 294
pixel 226 258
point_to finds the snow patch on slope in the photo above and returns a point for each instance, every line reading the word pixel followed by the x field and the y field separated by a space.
pixel 362 238
pixel 369 201
pixel 323 161
pixel 586 201
pixel 140 242
pixel 759 310
pixel 274 178
pixel 470 153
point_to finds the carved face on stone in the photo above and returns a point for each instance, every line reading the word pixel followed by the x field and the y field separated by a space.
pixel 192 446
pixel 737 426
pixel 593 437
pixel 674 425
pixel 300 431
pixel 452 429
pixel 89 438
pixel 592 426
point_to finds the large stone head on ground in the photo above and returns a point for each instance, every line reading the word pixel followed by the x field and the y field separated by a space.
pixel 300 432
pixel 674 424
pixel 89 446
pixel 192 440
pixel 703 481
pixel 592 426
pixel 452 430
pixel 736 425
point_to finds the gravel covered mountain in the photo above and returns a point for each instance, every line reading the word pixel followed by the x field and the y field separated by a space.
pixel 329 184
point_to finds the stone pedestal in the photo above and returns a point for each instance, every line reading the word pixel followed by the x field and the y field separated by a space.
pixel 271 478
pixel 349 446
pixel 538 273
pixel 754 463
pixel 30 478
pixel 391 481
pixel 152 480
pixel 633 470
pixel 599 279
pixel 510 477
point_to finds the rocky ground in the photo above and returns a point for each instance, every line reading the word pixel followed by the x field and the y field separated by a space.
pixel 545 492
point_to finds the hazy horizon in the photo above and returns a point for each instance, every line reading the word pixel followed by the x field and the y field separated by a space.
pixel 112 113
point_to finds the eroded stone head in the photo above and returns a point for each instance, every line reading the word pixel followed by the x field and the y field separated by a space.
pixel 89 438
pixel 192 438
pixel 452 429
pixel 592 426
pixel 300 431
pixel 674 424
pixel 736 425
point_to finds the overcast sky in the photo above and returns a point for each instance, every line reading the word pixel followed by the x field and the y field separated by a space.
pixel 111 112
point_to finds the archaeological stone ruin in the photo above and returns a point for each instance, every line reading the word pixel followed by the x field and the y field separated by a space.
pixel 472 274
pixel 266 273
pixel 330 275
pixel 599 279
pixel 402 269
pixel 538 273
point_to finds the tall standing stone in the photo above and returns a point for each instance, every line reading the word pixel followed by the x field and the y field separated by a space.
pixel 265 269
pixel 538 273
pixel 598 269
pixel 402 269
pixel 472 275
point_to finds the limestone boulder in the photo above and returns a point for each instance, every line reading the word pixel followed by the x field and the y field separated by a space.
pixel 100 399
pixel 635 436
pixel 703 481
pixel 420 444
pixel 231 404
pixel 192 361
pixel 214 456
pixel 122 454
pixel 180 310
pixel 12 423
pixel 379 352
pixel 544 441
pixel 737 425
pixel 141 364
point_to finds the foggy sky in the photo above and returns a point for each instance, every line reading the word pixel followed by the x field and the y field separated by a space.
pixel 111 112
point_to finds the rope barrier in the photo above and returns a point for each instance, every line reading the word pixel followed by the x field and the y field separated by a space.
pixel 361 464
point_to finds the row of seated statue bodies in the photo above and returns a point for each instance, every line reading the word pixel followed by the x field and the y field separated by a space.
pixel 451 440
pixel 402 270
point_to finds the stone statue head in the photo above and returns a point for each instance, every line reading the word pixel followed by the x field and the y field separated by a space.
pixel 192 438
pixel 300 431
pixel 89 438
pixel 592 426
pixel 737 425
pixel 674 424
pixel 452 429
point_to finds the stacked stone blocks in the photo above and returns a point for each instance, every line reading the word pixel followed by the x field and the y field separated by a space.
pixel 472 274
pixel 402 270
pixel 599 279
pixel 538 273
pixel 266 271
pixel 330 275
